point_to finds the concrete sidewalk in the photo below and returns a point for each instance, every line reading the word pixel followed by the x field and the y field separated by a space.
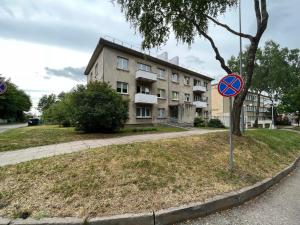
pixel 5 127
pixel 23 155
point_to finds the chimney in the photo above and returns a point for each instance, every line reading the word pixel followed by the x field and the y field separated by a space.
pixel 175 60
pixel 163 56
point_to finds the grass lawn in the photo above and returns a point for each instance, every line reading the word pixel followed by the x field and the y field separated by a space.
pixel 297 128
pixel 49 134
pixel 142 176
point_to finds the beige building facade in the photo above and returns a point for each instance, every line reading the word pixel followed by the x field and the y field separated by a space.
pixel 220 108
pixel 158 90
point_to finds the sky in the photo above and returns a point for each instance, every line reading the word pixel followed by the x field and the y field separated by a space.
pixel 45 45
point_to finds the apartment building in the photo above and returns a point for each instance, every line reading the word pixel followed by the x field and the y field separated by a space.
pixel 158 89
pixel 220 108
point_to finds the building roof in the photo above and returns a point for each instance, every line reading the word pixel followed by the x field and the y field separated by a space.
pixel 105 43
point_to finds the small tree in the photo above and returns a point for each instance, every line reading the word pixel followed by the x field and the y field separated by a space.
pixel 99 108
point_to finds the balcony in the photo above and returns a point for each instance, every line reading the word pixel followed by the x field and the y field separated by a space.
pixel 145 98
pixel 199 88
pixel 200 104
pixel 145 76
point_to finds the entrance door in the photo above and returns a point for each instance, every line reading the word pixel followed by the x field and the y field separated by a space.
pixel 174 113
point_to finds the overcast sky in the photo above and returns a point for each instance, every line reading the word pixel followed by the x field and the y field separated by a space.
pixel 46 44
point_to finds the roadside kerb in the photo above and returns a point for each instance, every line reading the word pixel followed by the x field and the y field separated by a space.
pixel 171 215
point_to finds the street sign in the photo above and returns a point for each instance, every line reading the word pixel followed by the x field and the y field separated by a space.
pixel 3 87
pixel 230 85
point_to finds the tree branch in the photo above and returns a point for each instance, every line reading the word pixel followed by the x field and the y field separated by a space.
pixel 213 45
pixel 257 12
pixel 250 37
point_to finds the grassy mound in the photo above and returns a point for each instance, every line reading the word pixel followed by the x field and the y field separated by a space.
pixel 142 176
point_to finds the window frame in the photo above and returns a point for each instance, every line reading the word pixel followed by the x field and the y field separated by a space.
pixel 187 78
pixel 177 80
pixel 143 69
pixel 189 97
pixel 122 87
pixel 159 116
pixel 159 74
pixel 173 99
pixel 143 112
pixel 123 59
pixel 159 93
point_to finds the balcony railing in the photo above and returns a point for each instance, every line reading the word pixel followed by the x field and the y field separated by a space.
pixel 145 98
pixel 146 76
pixel 199 88
pixel 200 104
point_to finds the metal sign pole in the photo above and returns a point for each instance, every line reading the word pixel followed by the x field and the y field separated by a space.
pixel 230 136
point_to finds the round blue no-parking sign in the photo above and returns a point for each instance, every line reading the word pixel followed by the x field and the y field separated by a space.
pixel 230 85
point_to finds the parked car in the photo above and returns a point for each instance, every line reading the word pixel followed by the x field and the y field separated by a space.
pixel 33 122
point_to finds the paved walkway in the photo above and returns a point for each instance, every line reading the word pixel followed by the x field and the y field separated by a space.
pixel 5 127
pixel 23 155
pixel 278 206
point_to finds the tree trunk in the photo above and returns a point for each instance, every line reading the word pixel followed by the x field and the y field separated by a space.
pixel 257 110
pixel 262 22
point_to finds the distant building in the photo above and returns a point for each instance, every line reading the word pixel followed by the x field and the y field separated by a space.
pixel 220 108
pixel 158 89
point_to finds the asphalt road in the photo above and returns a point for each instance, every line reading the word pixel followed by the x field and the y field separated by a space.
pixel 6 127
pixel 280 205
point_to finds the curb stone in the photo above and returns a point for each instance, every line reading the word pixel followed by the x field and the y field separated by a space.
pixel 49 221
pixel 171 215
pixel 4 221
pixel 126 219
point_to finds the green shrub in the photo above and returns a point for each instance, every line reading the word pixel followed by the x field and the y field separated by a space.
pixel 199 122
pixel 66 123
pixel 216 123
pixel 99 108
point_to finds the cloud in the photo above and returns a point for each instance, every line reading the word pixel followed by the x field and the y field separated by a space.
pixel 72 73
pixel 191 59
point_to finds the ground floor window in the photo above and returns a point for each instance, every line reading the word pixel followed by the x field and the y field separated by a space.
pixel 161 113
pixel 143 112
pixel 122 87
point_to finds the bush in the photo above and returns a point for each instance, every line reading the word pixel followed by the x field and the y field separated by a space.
pixel 216 123
pixel 66 123
pixel 199 122
pixel 99 108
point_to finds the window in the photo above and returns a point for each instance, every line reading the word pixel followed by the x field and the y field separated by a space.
pixel 144 67
pixel 143 112
pixel 197 82
pixel 187 97
pixel 175 95
pixel 186 80
pixel 122 63
pixel 161 74
pixel 143 90
pixel 161 113
pixel 96 70
pixel 175 77
pixel 197 98
pixel 161 93
pixel 122 87
pixel 205 85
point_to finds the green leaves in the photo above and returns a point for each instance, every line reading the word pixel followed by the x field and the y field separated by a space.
pixel 155 19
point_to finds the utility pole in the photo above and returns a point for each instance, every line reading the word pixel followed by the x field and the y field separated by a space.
pixel 241 65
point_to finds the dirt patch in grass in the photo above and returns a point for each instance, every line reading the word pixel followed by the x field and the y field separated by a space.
pixel 142 176
pixel 26 137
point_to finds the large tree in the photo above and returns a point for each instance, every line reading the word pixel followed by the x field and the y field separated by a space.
pixel 156 19
pixel 46 101
pixel 274 72
pixel 13 103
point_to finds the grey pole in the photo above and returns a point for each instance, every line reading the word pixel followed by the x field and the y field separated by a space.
pixel 273 125
pixel 241 66
pixel 230 136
